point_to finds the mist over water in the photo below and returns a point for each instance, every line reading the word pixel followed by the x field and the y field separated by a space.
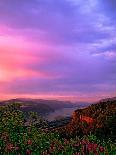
pixel 60 113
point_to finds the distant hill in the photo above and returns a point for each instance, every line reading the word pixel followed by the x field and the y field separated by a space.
pixel 30 105
pixel 40 106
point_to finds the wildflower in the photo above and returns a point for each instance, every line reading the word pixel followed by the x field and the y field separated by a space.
pixel 9 147
pixel 90 147
pixel 84 142
pixel 29 142
pixel 101 149
pixel 28 152
pixel 95 146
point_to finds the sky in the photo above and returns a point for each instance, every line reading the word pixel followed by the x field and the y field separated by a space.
pixel 58 49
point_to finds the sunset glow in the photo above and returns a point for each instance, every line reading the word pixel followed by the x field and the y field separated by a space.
pixel 63 49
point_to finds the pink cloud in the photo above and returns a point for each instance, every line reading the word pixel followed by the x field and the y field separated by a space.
pixel 15 53
pixel 46 54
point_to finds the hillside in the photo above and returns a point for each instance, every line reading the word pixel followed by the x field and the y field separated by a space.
pixel 99 118
pixel 106 107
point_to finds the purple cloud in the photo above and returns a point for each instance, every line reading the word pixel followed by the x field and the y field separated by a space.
pixel 77 40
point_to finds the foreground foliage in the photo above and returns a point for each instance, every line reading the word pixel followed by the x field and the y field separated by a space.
pixel 20 135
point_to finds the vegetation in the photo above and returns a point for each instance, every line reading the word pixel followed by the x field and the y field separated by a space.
pixel 104 115
pixel 22 134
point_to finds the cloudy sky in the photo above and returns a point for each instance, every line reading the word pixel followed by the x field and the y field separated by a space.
pixel 63 49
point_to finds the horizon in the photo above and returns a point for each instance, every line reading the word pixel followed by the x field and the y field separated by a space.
pixel 62 50
pixel 60 99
